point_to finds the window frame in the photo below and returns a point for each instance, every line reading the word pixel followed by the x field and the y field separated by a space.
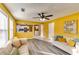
pixel 3 12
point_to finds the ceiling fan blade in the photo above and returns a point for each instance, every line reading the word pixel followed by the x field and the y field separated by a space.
pixel 39 14
pixel 42 13
pixel 49 16
pixel 36 17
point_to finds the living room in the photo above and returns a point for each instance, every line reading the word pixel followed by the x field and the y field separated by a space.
pixel 52 23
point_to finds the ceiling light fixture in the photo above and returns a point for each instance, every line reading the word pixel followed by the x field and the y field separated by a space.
pixel 42 19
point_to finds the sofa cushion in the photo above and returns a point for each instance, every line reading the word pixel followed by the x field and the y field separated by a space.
pixel 61 39
pixel 23 41
pixel 71 43
pixel 23 50
pixel 16 43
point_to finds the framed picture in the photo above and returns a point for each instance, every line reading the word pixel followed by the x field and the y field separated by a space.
pixel 24 28
pixel 37 30
pixel 70 26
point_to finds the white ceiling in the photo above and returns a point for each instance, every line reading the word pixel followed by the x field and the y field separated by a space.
pixel 31 9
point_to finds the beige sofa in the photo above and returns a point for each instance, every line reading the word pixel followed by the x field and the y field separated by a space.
pixel 9 50
pixel 17 47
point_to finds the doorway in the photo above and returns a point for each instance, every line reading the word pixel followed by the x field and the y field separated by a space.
pixel 51 31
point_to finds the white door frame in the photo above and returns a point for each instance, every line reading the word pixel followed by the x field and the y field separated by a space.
pixel 51 31
pixel 42 33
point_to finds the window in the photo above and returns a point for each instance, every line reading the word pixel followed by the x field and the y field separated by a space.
pixel 3 29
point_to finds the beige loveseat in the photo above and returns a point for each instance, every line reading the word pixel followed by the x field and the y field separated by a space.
pixel 16 47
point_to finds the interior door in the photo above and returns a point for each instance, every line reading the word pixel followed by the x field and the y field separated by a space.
pixel 37 30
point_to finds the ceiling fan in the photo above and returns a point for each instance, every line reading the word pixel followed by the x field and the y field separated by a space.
pixel 43 16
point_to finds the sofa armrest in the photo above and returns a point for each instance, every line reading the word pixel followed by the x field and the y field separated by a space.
pixel 6 50
pixel 14 51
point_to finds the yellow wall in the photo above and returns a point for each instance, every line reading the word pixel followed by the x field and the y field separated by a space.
pixel 27 34
pixel 59 25
pixel 58 29
pixel 10 17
